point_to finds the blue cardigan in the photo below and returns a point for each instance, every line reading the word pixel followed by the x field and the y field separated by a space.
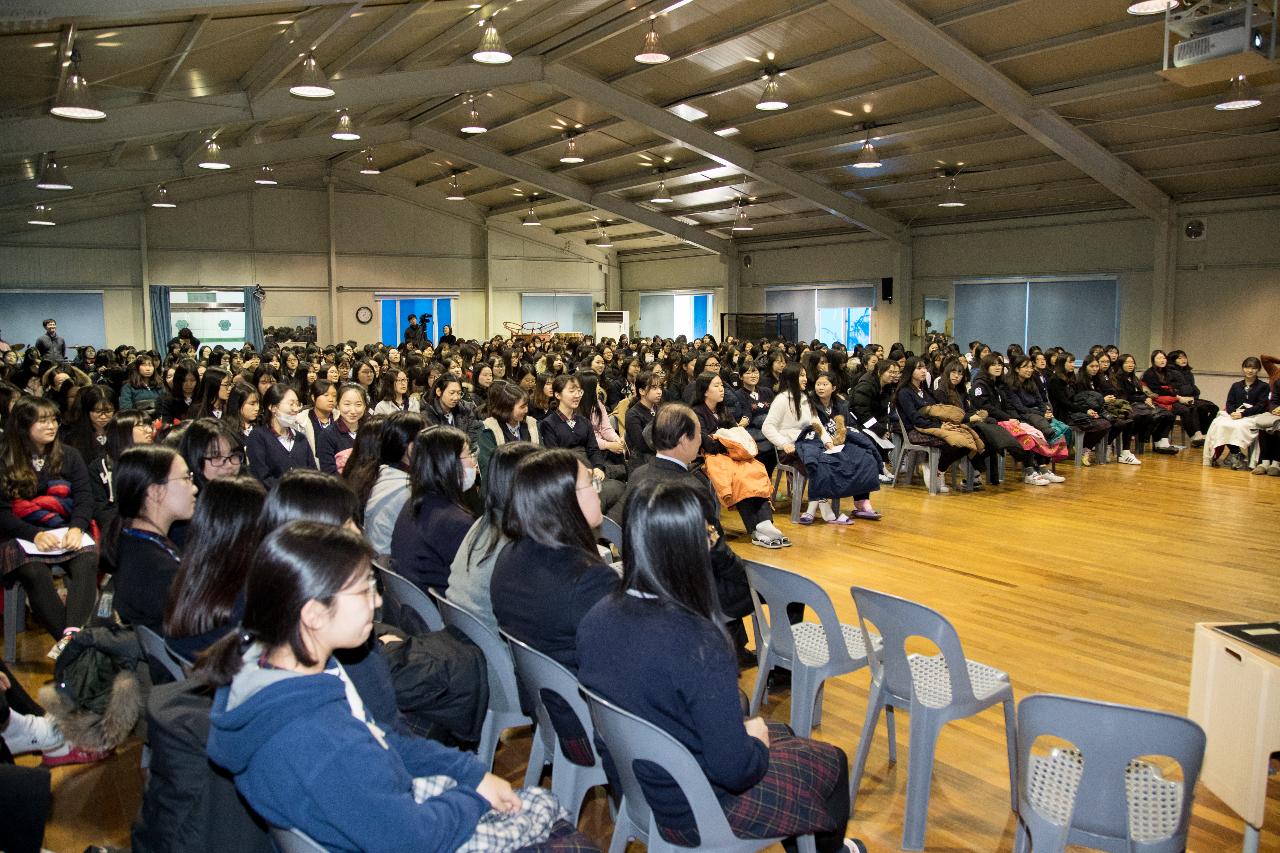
pixel 268 458
pixel 1252 401
pixel 423 545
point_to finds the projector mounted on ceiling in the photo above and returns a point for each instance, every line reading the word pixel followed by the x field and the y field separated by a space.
pixel 1215 41
pixel 1216 44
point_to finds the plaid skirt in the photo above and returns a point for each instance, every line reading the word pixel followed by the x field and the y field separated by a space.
pixel 12 556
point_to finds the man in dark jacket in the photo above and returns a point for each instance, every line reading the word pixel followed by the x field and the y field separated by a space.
pixel 52 347
pixel 415 334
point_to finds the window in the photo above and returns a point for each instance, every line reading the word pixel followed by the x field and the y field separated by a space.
pixel 433 311
pixel 213 316
pixel 1071 313
pixel 672 314
pixel 571 310
pixel 830 314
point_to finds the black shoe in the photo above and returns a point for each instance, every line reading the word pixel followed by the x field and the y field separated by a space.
pixel 1167 451
pixel 780 679
pixel 746 659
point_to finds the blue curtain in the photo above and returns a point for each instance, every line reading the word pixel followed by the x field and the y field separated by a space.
pixel 161 319
pixel 253 319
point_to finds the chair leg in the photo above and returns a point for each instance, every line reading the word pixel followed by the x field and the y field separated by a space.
pixel 921 746
pixel 538 760
pixel 621 830
pixel 806 844
pixel 931 477
pixel 569 785
pixel 874 703
pixel 762 681
pixel 1021 838
pixel 892 732
pixel 797 497
pixel 817 704
pixel 803 694
pixel 1011 746
pixel 488 740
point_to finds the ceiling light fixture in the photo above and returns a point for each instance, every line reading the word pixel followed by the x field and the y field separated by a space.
pixel 530 218
pixel 742 223
pixel 74 100
pixel 771 98
pixel 162 199
pixel 51 176
pixel 346 129
pixel 651 52
pixel 952 197
pixel 604 242
pixel 867 157
pixel 661 196
pixel 455 191
pixel 1240 96
pixel 473 124
pixel 491 50
pixel 213 157
pixel 43 215
pixel 311 81
pixel 1151 7
pixel 266 177
pixel 369 167
pixel 571 155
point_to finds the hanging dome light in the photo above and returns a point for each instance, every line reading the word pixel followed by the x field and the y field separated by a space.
pixel 74 100
pixel 771 98
pixel 661 196
pixel 213 158
pixel 346 129
pixel 455 191
pixel 51 176
pixel 742 223
pixel 43 215
pixel 162 199
pixel 1240 96
pixel 491 50
pixel 311 82
pixel 571 155
pixel 604 242
pixel 651 52
pixel 952 197
pixel 867 157
pixel 530 218
pixel 1151 7
pixel 266 177
pixel 473 124
pixel 369 167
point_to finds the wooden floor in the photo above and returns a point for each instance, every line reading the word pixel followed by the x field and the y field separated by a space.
pixel 1088 588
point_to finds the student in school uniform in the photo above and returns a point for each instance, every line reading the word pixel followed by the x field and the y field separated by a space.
pixel 280 445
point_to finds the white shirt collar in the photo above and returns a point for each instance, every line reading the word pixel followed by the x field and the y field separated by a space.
pixel 672 459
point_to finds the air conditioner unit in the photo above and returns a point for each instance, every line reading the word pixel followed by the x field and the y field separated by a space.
pixel 612 324
pixel 1214 45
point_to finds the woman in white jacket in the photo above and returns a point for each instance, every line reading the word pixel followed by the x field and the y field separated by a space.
pixel 789 414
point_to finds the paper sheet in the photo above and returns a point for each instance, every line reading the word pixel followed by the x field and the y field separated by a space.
pixel 29 547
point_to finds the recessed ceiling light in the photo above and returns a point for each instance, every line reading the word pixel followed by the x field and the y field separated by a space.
pixel 687 112
pixel 844 113
pixel 1151 7
pixel 111 34
pixel 213 158
pixel 728 131
pixel 43 44
pixel 678 4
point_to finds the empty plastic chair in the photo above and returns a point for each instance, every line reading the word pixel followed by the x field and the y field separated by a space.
pixel 813 651
pixel 405 593
pixel 903 445
pixel 504 697
pixel 294 841
pixel 799 482
pixel 934 689
pixel 575 766
pixel 1099 793
pixel 155 648
pixel 630 739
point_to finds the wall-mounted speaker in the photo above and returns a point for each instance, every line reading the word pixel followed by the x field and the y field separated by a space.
pixel 746 262
pixel 886 289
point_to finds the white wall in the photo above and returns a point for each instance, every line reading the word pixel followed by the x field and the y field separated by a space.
pixel 700 272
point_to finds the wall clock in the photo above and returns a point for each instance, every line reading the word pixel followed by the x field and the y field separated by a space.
pixel 364 314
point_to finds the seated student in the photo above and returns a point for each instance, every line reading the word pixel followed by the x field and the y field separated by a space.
pixel 507 420
pixel 912 400
pixel 640 415
pixel 243 411
pixel 656 647
pixel 321 416
pixel 280 446
pixel 752 400
pixel 361 469
pixel 471 572
pixel 677 435
pixel 1183 379
pixel 551 573
pixel 142 389
pixel 154 488
pixel 1158 380
pixel 175 401
pixel 336 443
pixel 206 596
pixel 831 428
pixel 125 429
pixel 566 428
pixel 1117 410
pixel 295 729
pixel 447 409
pixel 591 407
pixel 390 488
pixel 989 394
pixel 1074 400
pixel 213 450
pixel 1235 429
pixel 393 393
pixel 1153 423
pixel 433 523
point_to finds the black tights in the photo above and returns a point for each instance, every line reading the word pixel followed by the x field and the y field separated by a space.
pixel 1269 446
pixel 837 808
pixel 753 511
pixel 82 587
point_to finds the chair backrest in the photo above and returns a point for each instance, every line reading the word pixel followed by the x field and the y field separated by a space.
pixel 780 588
pixel 906 436
pixel 1108 738
pixel 611 532
pixel 899 620
pixel 542 676
pixel 405 593
pixel 153 646
pixel 630 739
pixel 294 841
pixel 504 695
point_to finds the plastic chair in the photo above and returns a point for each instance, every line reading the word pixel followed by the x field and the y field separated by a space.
pixel 799 482
pixel 902 445
pixel 934 689
pixel 15 615
pixel 541 676
pixel 1098 793
pixel 610 531
pixel 813 651
pixel 504 696
pixel 405 593
pixel 294 841
pixel 630 739
pixel 155 648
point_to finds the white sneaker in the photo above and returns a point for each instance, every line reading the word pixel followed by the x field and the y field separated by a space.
pixel 1034 478
pixel 27 733
pixel 1128 458
pixel 1050 476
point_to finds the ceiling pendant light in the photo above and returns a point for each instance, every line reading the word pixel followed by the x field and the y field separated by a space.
pixel 43 215
pixel 311 82
pixel 661 196
pixel 530 218
pixel 346 129
pixel 650 51
pixel 771 98
pixel 455 191
pixel 604 242
pixel 571 155
pixel 74 100
pixel 1151 7
pixel 867 157
pixel 952 197
pixel 491 50
pixel 162 199
pixel 1240 96
pixel 473 124
pixel 266 177
pixel 369 167
pixel 742 223
pixel 51 176
pixel 212 158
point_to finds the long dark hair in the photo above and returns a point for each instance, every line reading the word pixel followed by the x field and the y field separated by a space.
pixel 589 405
pixel 789 383
pixel 310 495
pixel 300 562
pixel 701 385
pixel 548 480
pixel 80 434
pixel 665 551
pixel 200 437
pixel 136 379
pixel 138 469
pixel 497 489
pixel 18 477
pixel 206 397
pixel 437 466
pixel 361 470
pixel 240 394
pixel 224 534
pixel 120 432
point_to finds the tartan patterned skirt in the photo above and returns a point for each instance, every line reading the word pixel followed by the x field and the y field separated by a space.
pixel 12 556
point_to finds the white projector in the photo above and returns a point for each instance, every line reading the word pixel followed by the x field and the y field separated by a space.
pixel 1213 45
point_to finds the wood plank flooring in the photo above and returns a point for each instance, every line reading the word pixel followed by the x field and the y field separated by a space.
pixel 1088 588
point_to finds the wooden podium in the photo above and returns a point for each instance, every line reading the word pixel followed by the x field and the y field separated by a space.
pixel 1235 697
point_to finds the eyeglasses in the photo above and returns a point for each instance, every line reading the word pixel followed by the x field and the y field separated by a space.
pixel 47 419
pixel 370 590
pixel 106 413
pixel 190 477
pixel 223 461
pixel 146 427
pixel 596 485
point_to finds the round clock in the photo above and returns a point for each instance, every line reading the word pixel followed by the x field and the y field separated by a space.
pixel 364 314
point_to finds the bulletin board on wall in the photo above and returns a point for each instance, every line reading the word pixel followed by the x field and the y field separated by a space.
pixel 80 314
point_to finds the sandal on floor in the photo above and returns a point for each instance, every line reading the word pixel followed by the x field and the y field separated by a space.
pixel 805 518
pixel 766 541
pixel 843 520
pixel 868 514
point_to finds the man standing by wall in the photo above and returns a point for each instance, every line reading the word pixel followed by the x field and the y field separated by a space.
pixel 50 345
pixel 415 334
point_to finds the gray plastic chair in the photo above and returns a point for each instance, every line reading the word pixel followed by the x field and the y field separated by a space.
pixel 902 445
pixel 610 531
pixel 294 841
pixel 799 483
pixel 630 739
pixel 1098 793
pixel 934 689
pixel 504 696
pixel 405 593
pixel 155 648
pixel 813 651
pixel 540 675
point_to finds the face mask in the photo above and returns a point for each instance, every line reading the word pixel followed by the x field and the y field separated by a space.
pixel 468 477
pixel 291 421
pixel 648 357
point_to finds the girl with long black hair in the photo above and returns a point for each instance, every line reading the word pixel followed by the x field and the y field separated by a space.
pixel 390 490
pixel 433 523
pixel 335 444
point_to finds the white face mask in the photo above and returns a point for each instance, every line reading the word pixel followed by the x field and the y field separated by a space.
pixel 468 477
pixel 648 357
pixel 291 421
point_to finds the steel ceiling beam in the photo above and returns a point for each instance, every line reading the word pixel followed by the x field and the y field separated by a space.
pixel 298 39
pixel 171 68
pixel 370 40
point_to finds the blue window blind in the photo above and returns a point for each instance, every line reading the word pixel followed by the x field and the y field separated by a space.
pixel 1068 313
